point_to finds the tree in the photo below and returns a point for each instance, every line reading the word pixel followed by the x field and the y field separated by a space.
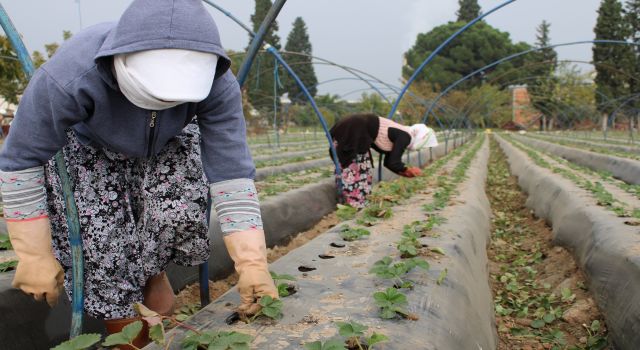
pixel 611 84
pixel 298 42
pixel 477 47
pixel 545 62
pixel 260 81
pixel 632 17
pixel 469 10
pixel 12 78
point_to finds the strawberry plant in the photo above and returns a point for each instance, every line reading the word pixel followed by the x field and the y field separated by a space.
pixel 353 331
pixel 5 243
pixel 284 289
pixel 332 344
pixel 392 303
pixel 383 269
pixel 351 234
pixel 8 265
pixel 271 308
pixel 346 212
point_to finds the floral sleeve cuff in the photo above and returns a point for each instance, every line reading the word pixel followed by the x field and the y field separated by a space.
pixel 23 194
pixel 236 203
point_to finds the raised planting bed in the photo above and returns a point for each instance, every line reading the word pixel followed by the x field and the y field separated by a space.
pixel 606 150
pixel 348 274
pixel 617 149
pixel 627 170
pixel 612 198
pixel 540 295
pixel 284 182
pixel 263 153
pixel 284 216
pixel 605 246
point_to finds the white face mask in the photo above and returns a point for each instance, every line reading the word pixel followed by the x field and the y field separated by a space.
pixel 164 78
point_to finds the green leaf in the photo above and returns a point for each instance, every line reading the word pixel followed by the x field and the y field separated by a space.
pixel 8 265
pixel 156 333
pixel 332 344
pixel 81 342
pixel 132 330
pixel 538 324
pixel 376 338
pixel 351 329
pixel 438 250
pixel 595 326
pixel 283 290
pixel 443 275
pixel 316 345
pixel 116 339
pixel 549 318
pixel 5 243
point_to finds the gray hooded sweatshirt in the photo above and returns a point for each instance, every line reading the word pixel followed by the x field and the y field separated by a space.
pixel 76 89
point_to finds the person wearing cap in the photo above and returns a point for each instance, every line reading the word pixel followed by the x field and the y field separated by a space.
pixel 149 118
pixel 354 136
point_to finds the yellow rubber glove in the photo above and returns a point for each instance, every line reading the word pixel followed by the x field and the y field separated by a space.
pixel 38 272
pixel 248 251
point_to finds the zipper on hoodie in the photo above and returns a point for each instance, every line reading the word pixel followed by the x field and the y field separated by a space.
pixel 152 129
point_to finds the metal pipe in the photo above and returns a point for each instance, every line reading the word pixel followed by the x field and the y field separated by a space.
pixel 516 55
pixel 258 39
pixel 73 221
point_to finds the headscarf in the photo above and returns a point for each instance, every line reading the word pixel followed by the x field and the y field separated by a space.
pixel 164 78
pixel 421 137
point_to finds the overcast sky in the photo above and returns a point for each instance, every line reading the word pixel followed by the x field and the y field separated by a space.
pixel 370 35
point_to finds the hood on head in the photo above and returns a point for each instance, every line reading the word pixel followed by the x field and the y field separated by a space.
pixel 165 24
pixel 421 137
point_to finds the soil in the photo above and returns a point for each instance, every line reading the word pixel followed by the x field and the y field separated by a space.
pixel 521 242
pixel 190 295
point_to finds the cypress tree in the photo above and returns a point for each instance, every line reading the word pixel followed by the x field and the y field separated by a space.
pixel 545 63
pixel 298 42
pixel 610 83
pixel 632 16
pixel 260 81
pixel 469 10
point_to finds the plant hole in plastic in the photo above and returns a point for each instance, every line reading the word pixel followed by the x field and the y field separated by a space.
pixel 303 268
pixel 326 256
pixel 233 318
pixel 337 245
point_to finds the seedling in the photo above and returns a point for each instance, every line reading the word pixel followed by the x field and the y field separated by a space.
pixel 567 295
pixel 353 331
pixel 346 212
pixel 333 344
pixel 391 303
pixel 351 234
pixel 284 289
pixel 409 247
pixel 5 243
pixel 384 269
pixel 595 341
pixel 216 340
pixel 8 265
pixel 271 308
